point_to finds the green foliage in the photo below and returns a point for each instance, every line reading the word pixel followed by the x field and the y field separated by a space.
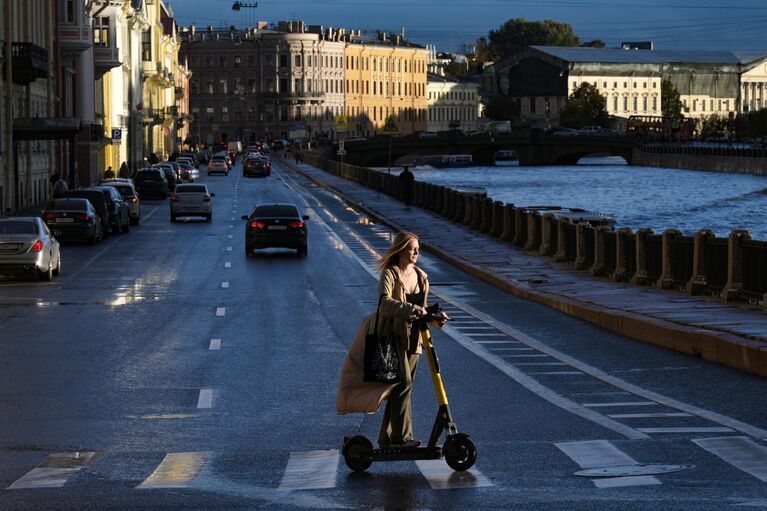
pixel 517 33
pixel 457 69
pixel 596 43
pixel 585 106
pixel 670 104
pixel 714 126
pixel 501 108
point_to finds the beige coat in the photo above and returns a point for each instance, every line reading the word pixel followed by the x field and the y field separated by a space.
pixel 355 395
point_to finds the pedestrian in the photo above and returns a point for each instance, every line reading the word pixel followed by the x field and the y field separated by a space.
pixel 124 172
pixel 109 173
pixel 403 289
pixel 153 158
pixel 297 154
pixel 59 187
pixel 406 180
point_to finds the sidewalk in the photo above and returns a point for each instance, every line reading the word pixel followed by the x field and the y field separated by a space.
pixel 731 335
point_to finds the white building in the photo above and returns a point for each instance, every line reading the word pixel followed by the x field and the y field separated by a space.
pixel 452 104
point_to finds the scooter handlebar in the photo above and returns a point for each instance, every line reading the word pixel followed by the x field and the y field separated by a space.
pixel 433 313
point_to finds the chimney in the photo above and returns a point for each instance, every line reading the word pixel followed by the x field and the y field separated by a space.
pixel 382 36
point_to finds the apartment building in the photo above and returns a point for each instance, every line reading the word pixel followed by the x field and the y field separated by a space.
pixel 452 104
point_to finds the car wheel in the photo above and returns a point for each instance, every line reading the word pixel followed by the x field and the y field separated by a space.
pixel 303 251
pixel 125 228
pixel 173 218
pixel 248 250
pixel 47 275
pixel 135 221
pixel 95 238
pixel 57 270
pixel 208 217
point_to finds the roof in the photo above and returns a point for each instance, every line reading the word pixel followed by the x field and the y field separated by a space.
pixel 619 56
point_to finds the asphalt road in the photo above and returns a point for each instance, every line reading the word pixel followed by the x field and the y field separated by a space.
pixel 165 370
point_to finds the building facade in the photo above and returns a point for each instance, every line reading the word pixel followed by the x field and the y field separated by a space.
pixel 452 104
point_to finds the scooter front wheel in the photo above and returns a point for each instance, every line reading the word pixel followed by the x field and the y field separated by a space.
pixel 460 453
pixel 358 453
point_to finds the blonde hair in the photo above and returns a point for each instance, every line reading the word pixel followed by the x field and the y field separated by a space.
pixel 398 244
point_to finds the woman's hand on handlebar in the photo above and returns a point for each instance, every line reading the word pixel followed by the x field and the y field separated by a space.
pixel 439 323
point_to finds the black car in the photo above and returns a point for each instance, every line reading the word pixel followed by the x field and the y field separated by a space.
pixel 119 211
pixel 97 199
pixel 151 182
pixel 275 225
pixel 256 166
pixel 73 218
pixel 171 175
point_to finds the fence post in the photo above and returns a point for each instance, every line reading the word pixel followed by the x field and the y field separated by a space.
pixel 457 215
pixel 734 286
pixel 561 254
pixel 446 201
pixel 547 221
pixel 476 213
pixel 640 277
pixel 487 216
pixel 508 222
pixel 532 231
pixel 598 268
pixel 580 246
pixel 698 280
pixel 497 228
pixel 468 205
pixel 520 217
pixel 621 270
pixel 666 280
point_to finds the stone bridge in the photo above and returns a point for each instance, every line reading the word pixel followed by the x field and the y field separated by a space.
pixel 532 149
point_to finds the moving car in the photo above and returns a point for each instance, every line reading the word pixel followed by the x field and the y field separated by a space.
pixel 191 200
pixel 119 212
pixel 218 164
pixel 189 172
pixel 99 202
pixel 256 166
pixel 73 218
pixel 276 225
pixel 129 194
pixel 26 244
pixel 151 182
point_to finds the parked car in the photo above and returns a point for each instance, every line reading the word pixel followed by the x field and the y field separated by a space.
pixel 276 225
pixel 119 212
pixel 564 132
pixel 170 174
pixel 257 166
pixel 428 134
pixel 191 200
pixel 218 165
pixel 189 171
pixel 191 156
pixel 130 195
pixel 73 218
pixel 151 182
pixel 27 245
pixel 99 202
pixel 203 157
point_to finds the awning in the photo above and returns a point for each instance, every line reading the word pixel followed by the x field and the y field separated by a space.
pixel 46 128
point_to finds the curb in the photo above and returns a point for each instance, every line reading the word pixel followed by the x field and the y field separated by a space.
pixel 718 347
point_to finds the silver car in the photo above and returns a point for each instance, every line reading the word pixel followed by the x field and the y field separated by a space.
pixel 129 194
pixel 191 200
pixel 26 244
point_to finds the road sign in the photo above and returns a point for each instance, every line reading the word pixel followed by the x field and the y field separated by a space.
pixel 340 145
pixel 342 122
pixel 390 126
pixel 117 134
pixel 341 152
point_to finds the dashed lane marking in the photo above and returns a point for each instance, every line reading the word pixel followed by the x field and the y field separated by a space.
pixel 602 453
pixel 215 344
pixel 221 311
pixel 228 249
pixel 230 236
pixel 54 471
pixel 740 452
pixel 442 477
pixel 225 285
pixel 227 265
pixel 205 400
pixel 177 470
pixel 311 470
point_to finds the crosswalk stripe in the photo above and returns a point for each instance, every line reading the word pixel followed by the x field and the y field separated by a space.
pixel 311 470
pixel 622 403
pixel 647 415
pixel 205 400
pixel 740 452
pixel 602 453
pixel 54 471
pixel 442 477
pixel 177 470
pixel 712 429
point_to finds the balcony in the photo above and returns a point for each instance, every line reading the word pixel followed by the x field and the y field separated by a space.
pixel 150 69
pixel 154 116
pixel 30 62
pixel 171 111
pixel 179 92
pixel 75 38
pixel 105 58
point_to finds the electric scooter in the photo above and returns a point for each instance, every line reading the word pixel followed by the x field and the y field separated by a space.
pixel 458 450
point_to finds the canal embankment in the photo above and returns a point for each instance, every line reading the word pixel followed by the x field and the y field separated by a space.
pixel 713 159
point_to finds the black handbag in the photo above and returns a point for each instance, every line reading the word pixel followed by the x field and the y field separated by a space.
pixel 384 357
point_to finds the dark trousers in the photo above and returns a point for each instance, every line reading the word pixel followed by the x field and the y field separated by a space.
pixel 397 424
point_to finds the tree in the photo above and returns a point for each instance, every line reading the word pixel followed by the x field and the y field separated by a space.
pixel 596 43
pixel 518 33
pixel 501 108
pixel 670 104
pixel 585 106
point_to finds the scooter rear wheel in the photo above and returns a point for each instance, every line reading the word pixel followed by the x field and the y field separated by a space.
pixel 460 453
pixel 357 453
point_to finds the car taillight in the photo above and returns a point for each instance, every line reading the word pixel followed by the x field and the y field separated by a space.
pixel 206 198
pixel 49 217
pixel 133 200
pixel 296 225
pixel 84 218
pixel 37 246
pixel 174 198
pixel 255 224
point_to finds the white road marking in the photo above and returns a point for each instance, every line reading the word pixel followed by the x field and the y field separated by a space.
pixel 227 265
pixel 518 364
pixel 647 415
pixel 511 349
pixel 602 453
pixel 620 403
pixel 561 373
pixel 177 470
pixel 54 471
pixel 206 398
pixel 442 477
pixel 229 236
pixel 225 285
pixel 221 311
pixel 740 452
pixel 495 342
pixel 311 470
pixel 714 429
pixel 228 249
pixel 231 226
pixel 493 335
pixel 215 344
pixel 532 355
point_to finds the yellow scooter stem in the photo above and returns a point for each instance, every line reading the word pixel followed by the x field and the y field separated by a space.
pixel 436 377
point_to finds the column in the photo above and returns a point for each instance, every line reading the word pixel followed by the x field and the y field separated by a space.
pixel 734 284
pixel 698 280
pixel 666 280
pixel 640 277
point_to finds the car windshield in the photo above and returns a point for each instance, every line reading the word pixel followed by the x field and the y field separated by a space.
pixel 68 205
pixel 191 189
pixel 18 227
pixel 276 211
pixel 125 191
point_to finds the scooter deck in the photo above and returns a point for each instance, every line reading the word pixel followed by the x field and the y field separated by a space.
pixel 405 454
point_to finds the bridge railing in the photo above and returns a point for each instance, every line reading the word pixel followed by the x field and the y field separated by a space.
pixel 733 268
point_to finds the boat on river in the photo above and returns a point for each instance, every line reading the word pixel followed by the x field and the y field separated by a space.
pixel 506 157
pixel 447 161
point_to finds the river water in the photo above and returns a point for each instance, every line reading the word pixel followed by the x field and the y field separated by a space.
pixel 636 197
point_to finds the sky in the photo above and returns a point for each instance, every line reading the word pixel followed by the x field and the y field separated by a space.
pixel 670 24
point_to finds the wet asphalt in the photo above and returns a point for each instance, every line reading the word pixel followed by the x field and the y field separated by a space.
pixel 168 340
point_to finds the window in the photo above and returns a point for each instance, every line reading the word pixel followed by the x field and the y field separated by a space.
pixel 223 86
pixel 615 86
pixel 644 85
pixel 194 86
pixel 634 102
pixel 284 113
pixel 209 87
pixel 252 60
pixel 283 61
pixel 222 61
pixel 224 114
pixel 146 46
pixel 655 104
pixel 283 85
pixel 297 61
pixel 625 103
pixel 269 59
pixel 209 114
pixel 644 103
pixel 270 84
pixel 101 31
pixel 532 105
pixel 625 85
pixel 208 60
pixel 238 116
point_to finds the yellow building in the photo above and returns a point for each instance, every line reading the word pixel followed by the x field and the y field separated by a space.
pixel 384 76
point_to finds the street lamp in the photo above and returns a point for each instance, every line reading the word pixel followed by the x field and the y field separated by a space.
pixel 236 6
